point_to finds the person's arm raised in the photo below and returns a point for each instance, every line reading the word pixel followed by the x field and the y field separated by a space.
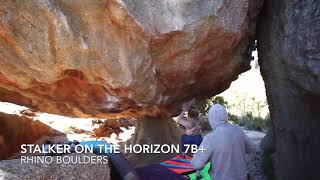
pixel 181 119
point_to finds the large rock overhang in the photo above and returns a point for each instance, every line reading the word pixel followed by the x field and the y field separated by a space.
pixel 121 58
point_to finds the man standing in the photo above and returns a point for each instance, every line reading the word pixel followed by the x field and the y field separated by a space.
pixel 225 147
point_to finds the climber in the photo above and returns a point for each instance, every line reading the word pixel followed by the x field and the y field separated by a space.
pixel 192 126
pixel 225 147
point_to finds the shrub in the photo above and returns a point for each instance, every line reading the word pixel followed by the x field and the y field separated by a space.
pixel 250 122
pixel 267 165
pixel 204 105
pixel 250 118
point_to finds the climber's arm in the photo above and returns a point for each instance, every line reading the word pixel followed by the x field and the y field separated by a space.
pixel 203 155
pixel 181 119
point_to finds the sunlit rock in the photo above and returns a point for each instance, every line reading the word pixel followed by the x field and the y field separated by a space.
pixel 121 58
pixel 16 130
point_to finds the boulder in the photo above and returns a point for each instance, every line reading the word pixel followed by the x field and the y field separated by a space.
pixel 289 55
pixel 16 130
pixel 268 144
pixel 121 58
pixel 15 170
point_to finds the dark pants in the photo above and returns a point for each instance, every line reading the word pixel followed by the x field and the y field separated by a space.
pixel 190 139
pixel 121 167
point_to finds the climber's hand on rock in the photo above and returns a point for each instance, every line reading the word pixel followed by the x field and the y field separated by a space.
pixel 184 107
pixel 187 105
pixel 193 101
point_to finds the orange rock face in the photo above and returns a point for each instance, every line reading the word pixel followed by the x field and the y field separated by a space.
pixel 108 58
pixel 16 130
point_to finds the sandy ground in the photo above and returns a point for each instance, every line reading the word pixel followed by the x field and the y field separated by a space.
pixel 254 159
pixel 69 125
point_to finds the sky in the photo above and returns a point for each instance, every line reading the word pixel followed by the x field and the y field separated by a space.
pixel 248 85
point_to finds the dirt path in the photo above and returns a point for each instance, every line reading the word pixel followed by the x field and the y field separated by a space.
pixel 254 159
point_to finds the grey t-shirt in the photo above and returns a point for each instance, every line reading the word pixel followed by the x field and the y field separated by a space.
pixel 225 148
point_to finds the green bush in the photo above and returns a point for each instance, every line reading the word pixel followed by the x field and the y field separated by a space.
pixel 204 105
pixel 250 119
pixel 250 122
pixel 267 165
pixel 233 118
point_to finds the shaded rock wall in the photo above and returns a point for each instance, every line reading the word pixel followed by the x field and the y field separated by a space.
pixel 289 55
pixel 121 58
pixel 16 130
pixel 154 130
